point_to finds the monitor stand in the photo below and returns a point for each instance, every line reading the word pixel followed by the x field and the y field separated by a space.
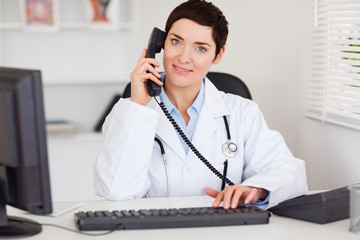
pixel 19 227
pixel 15 226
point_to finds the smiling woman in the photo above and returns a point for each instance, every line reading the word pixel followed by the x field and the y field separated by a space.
pixel 262 170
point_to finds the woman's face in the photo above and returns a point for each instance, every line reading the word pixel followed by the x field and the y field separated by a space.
pixel 189 52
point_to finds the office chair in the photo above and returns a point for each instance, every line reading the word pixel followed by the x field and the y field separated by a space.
pixel 229 84
pixel 223 81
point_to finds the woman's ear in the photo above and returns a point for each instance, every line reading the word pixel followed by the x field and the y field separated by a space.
pixel 219 56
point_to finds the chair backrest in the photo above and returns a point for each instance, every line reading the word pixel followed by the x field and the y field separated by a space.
pixel 223 81
pixel 229 84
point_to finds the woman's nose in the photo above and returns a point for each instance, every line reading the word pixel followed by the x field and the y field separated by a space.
pixel 185 55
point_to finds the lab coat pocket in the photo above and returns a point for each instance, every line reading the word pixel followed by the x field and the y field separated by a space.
pixel 234 170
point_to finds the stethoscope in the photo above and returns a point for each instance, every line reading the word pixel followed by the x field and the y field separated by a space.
pixel 229 149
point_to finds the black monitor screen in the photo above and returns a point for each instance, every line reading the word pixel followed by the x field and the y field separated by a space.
pixel 24 171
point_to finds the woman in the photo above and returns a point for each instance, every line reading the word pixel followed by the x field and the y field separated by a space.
pixel 130 164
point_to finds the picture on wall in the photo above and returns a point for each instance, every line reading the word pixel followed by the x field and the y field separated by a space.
pixel 39 15
pixel 102 14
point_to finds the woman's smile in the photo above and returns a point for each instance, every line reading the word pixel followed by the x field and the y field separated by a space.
pixel 181 69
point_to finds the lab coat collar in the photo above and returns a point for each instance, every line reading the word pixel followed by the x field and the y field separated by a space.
pixel 214 100
pixel 166 132
pixel 213 107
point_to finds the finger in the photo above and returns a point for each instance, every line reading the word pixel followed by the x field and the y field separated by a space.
pixel 143 54
pixel 151 60
pixel 211 192
pixel 147 64
pixel 150 76
pixel 218 199
pixel 236 198
pixel 251 198
pixel 143 69
pixel 143 59
pixel 153 71
pixel 228 194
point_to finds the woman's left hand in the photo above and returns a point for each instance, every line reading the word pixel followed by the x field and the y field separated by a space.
pixel 233 196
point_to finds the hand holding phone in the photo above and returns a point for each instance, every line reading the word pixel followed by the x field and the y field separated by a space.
pixel 145 80
pixel 139 78
pixel 156 43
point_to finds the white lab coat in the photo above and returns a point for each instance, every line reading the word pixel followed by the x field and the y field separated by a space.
pixel 130 164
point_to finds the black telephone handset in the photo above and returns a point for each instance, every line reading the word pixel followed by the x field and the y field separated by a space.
pixel 156 43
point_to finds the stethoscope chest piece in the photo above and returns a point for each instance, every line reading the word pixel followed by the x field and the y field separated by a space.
pixel 229 149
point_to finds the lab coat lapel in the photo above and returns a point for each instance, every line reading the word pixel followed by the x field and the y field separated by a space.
pixel 213 107
pixel 166 131
pixel 205 127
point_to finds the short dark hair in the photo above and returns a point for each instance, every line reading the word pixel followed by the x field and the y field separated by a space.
pixel 203 13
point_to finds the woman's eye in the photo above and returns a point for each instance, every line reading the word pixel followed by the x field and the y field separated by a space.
pixel 175 41
pixel 201 49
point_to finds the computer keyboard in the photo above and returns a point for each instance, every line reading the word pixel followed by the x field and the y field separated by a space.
pixel 169 218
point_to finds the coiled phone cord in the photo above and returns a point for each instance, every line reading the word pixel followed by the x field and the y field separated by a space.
pixel 191 146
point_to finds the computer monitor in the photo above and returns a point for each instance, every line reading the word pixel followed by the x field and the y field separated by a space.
pixel 24 171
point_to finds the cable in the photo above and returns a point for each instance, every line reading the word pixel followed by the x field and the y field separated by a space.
pixel 165 164
pixel 227 128
pixel 77 231
pixel 161 146
pixel 191 146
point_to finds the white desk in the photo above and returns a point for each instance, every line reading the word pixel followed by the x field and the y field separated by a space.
pixel 278 228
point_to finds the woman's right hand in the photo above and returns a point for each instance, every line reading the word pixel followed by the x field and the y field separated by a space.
pixel 139 77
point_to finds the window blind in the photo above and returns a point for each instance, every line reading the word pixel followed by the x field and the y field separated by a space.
pixel 334 91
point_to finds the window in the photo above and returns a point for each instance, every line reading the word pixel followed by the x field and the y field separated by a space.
pixel 335 64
